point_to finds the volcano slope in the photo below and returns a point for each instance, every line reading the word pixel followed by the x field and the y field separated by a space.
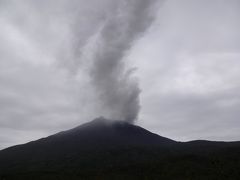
pixel 105 149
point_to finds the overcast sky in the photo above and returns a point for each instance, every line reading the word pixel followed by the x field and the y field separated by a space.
pixel 187 64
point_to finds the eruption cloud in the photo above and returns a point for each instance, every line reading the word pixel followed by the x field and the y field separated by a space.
pixel 111 77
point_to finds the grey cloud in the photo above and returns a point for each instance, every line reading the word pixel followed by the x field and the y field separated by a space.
pixel 195 116
pixel 61 65
pixel 191 89
pixel 45 57
pixel 115 26
pixel 9 137
pixel 118 92
pixel 24 97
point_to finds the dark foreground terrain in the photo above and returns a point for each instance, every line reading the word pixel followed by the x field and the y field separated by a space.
pixel 117 150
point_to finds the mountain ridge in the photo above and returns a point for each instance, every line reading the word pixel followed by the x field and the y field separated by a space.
pixel 94 126
pixel 105 149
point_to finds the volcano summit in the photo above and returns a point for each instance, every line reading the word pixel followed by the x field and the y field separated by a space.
pixel 105 149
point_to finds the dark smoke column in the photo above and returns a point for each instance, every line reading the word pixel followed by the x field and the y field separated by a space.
pixel 117 90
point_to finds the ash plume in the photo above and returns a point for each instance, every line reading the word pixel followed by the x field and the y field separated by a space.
pixel 110 75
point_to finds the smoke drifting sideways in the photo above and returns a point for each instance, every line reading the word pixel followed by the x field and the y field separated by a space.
pixel 110 75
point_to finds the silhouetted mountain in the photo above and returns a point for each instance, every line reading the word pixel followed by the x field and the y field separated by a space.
pixel 104 149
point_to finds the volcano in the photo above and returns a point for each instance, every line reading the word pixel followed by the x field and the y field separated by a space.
pixel 105 149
